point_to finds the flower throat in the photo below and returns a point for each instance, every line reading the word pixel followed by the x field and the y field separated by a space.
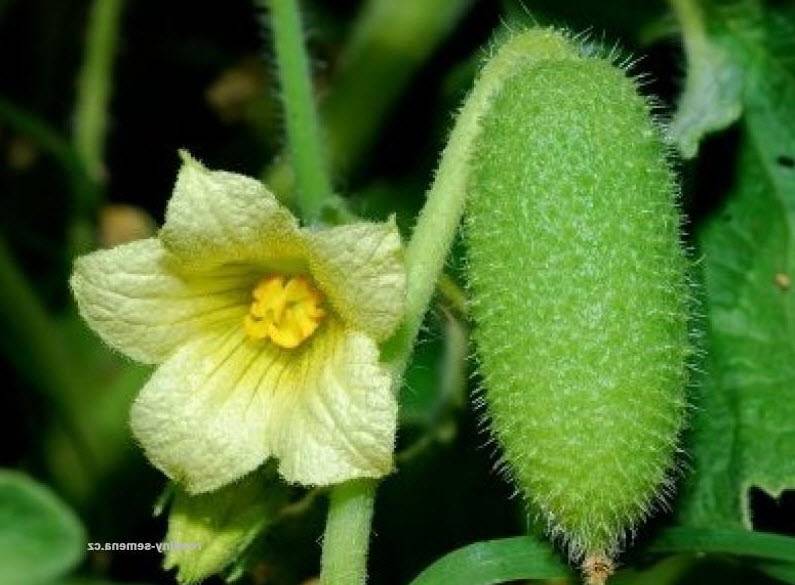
pixel 287 310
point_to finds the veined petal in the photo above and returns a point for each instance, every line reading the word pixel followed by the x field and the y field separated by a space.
pixel 222 404
pixel 216 217
pixel 134 298
pixel 360 269
pixel 337 414
pixel 202 417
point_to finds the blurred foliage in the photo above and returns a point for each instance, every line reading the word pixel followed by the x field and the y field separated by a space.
pixel 40 537
pixel 389 75
pixel 744 434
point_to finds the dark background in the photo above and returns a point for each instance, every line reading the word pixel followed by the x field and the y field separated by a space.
pixel 170 53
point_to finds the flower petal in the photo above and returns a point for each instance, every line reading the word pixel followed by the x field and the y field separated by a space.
pixel 222 404
pixel 136 300
pixel 337 412
pixel 202 418
pixel 360 269
pixel 216 217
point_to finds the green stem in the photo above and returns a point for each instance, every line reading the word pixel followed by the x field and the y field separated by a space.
pixel 94 86
pixel 347 535
pixel 303 131
pixel 438 221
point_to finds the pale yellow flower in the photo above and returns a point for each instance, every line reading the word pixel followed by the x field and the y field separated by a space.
pixel 266 334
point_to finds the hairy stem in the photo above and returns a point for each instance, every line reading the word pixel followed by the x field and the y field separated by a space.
pixel 303 131
pixel 347 535
pixel 438 221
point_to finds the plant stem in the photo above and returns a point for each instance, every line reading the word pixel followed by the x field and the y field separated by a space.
pixel 303 131
pixel 94 86
pixel 347 535
pixel 351 506
pixel 438 221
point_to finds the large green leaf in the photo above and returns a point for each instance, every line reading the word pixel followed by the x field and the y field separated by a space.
pixel 495 561
pixel 40 537
pixel 745 426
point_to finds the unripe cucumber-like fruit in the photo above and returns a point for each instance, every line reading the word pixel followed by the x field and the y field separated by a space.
pixel 577 278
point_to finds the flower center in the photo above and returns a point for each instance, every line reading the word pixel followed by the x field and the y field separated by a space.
pixel 286 310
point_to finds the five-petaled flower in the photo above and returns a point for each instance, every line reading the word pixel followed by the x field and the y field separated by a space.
pixel 266 335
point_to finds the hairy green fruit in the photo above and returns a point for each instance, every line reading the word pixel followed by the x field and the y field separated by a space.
pixel 579 297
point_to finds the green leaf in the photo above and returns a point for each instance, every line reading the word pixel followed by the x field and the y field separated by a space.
pixel 745 429
pixel 40 537
pixel 495 561
pixel 775 547
pixel 712 96
pixel 668 571
pixel 784 572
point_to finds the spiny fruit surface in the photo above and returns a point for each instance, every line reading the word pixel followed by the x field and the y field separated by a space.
pixel 577 280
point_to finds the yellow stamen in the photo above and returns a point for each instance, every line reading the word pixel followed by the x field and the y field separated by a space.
pixel 286 310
